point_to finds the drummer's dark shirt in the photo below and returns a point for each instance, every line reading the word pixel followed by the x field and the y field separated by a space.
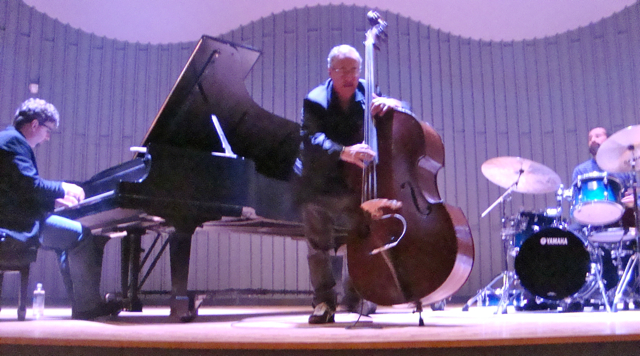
pixel 591 165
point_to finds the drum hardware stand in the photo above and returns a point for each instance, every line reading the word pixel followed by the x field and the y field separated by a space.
pixel 560 195
pixel 633 260
pixel 507 276
pixel 603 290
pixel 557 212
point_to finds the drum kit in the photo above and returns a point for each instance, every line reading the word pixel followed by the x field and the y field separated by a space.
pixel 590 259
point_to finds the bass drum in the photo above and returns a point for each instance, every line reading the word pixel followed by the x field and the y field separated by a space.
pixel 553 264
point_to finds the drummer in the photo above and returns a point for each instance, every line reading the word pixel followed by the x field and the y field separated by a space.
pixel 596 137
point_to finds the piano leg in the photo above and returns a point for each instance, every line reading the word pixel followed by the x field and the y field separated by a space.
pixel 125 253
pixel 182 304
pixel 130 268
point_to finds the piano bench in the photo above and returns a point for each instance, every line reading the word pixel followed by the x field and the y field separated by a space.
pixel 17 256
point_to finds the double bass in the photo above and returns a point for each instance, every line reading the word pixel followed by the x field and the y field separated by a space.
pixel 422 252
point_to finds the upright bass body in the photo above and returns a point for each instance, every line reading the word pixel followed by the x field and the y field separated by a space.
pixel 435 256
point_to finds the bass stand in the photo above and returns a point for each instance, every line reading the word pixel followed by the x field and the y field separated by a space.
pixel 508 275
pixel 633 260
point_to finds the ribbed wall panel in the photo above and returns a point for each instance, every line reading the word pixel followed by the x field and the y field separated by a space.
pixel 536 99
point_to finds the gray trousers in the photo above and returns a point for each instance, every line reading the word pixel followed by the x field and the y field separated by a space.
pixel 327 221
pixel 79 257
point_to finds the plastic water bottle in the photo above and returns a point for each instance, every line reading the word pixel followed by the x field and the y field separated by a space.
pixel 38 302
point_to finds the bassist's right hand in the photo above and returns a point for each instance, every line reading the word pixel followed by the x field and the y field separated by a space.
pixel 359 154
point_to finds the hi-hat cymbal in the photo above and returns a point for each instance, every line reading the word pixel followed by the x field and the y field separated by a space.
pixel 534 177
pixel 615 154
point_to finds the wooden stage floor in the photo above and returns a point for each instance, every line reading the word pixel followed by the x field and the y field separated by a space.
pixel 284 330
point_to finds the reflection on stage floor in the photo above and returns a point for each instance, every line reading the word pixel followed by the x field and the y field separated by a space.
pixel 286 328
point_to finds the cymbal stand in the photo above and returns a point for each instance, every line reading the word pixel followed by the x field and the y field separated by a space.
pixel 633 260
pixel 507 276
pixel 500 200
pixel 596 270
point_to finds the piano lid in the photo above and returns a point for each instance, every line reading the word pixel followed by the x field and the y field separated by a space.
pixel 212 83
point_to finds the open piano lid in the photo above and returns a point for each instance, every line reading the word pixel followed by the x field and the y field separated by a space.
pixel 212 83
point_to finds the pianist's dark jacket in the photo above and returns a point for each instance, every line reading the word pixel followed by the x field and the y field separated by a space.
pixel 25 198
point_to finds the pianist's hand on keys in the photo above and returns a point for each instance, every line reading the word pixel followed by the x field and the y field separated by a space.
pixel 73 194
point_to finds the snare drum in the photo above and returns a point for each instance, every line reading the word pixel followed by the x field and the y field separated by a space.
pixel 553 264
pixel 596 199
pixel 612 235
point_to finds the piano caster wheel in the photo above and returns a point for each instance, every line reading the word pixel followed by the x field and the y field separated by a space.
pixel 183 316
pixel 22 314
pixel 132 306
pixel 183 308
pixel 189 316
pixel 127 303
pixel 135 306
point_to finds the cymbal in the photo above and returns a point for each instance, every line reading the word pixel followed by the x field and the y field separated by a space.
pixel 535 178
pixel 615 154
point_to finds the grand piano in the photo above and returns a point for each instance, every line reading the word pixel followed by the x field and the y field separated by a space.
pixel 211 154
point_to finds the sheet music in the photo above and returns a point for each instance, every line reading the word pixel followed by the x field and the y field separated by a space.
pixel 228 152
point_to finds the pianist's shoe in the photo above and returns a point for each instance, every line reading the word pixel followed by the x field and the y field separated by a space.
pixel 322 314
pixel 108 308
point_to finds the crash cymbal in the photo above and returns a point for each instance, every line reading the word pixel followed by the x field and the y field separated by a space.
pixel 535 178
pixel 615 154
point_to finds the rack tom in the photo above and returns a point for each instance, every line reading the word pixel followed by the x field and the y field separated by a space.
pixel 596 199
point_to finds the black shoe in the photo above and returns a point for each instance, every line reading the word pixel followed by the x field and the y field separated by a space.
pixel 322 314
pixel 109 308
pixel 363 307
pixel 573 307
pixel 531 305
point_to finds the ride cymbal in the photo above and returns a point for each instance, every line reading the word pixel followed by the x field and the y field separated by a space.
pixel 531 177
pixel 616 153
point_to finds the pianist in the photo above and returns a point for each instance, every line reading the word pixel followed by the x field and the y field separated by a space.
pixel 26 201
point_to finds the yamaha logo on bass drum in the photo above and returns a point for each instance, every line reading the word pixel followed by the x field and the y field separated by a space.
pixel 556 241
